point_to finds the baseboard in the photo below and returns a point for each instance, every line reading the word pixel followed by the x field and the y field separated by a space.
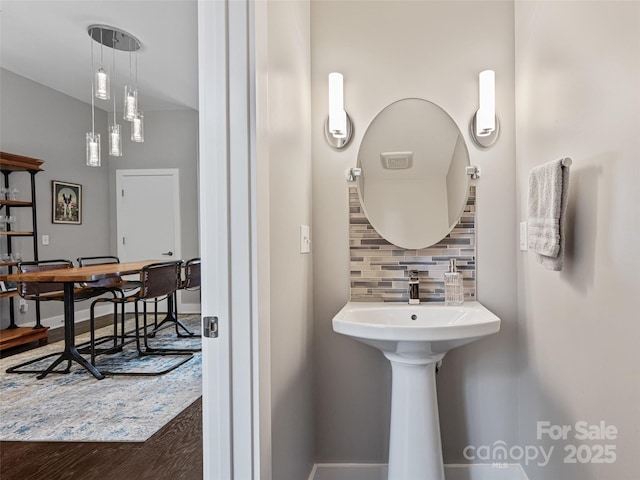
pixel 80 316
pixel 100 310
pixel 353 471
pixel 189 308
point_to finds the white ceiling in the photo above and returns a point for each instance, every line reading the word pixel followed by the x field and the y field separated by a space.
pixel 47 42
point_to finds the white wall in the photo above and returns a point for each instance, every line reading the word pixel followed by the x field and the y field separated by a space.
pixel 388 51
pixel 39 122
pixel 577 93
pixel 284 203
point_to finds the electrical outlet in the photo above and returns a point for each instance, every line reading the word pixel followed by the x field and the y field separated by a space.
pixel 45 239
pixel 23 306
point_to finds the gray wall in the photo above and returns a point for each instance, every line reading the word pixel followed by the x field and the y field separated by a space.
pixel 388 51
pixel 577 83
pixel 170 141
pixel 284 203
pixel 39 122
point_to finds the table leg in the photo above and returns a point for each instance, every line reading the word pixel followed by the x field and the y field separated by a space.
pixel 70 353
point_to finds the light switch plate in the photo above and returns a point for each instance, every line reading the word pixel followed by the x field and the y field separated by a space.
pixel 524 245
pixel 45 239
pixel 305 239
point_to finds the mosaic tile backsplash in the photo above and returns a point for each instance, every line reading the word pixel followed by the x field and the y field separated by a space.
pixel 380 270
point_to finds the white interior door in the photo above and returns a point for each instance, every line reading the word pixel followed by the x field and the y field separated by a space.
pixel 148 216
pixel 148 222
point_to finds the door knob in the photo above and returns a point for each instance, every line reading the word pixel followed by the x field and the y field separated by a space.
pixel 169 253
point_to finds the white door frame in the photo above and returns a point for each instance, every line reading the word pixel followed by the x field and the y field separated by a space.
pixel 228 238
pixel 174 173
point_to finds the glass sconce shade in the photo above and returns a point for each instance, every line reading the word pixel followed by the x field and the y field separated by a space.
pixel 338 128
pixel 102 86
pixel 115 140
pixel 93 149
pixel 130 103
pixel 486 116
pixel 137 128
pixel 337 115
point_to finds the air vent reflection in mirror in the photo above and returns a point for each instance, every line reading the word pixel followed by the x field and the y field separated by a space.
pixel 396 160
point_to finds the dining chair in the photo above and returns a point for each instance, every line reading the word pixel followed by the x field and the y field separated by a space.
pixel 190 282
pixel 51 291
pixel 118 286
pixel 158 281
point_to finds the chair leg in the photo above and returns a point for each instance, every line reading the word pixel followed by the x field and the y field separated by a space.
pixel 188 356
pixel 115 325
pixel 161 351
pixel 92 333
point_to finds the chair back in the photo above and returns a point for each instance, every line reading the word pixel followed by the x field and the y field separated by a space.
pixel 192 274
pixel 109 282
pixel 160 279
pixel 102 260
pixel 26 289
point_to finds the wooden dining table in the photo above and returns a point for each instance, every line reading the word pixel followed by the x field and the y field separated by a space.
pixel 69 277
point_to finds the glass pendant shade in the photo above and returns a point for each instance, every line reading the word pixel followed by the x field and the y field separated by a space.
pixel 130 103
pixel 137 128
pixel 93 149
pixel 102 87
pixel 115 140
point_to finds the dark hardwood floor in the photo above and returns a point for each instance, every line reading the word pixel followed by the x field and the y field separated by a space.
pixel 173 453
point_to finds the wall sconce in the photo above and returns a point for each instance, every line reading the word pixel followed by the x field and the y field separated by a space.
pixel 338 128
pixel 485 128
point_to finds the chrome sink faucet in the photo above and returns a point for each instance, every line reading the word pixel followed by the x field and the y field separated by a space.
pixel 414 288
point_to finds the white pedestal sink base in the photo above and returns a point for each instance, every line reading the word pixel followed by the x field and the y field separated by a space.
pixel 415 448
pixel 414 338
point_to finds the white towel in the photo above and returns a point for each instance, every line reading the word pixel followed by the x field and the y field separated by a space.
pixel 548 192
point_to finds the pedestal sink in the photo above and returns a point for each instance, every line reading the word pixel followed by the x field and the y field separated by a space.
pixel 414 338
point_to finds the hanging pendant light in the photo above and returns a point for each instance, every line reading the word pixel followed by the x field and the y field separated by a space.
pixel 137 128
pixel 100 88
pixel 102 84
pixel 137 124
pixel 115 137
pixel 93 138
pixel 115 140
pixel 130 96
pixel 130 102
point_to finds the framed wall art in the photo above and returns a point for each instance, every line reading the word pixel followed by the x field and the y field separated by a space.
pixel 67 202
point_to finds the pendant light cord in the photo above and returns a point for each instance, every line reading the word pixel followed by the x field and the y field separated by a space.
pixel 136 69
pixel 114 76
pixel 93 129
pixel 101 49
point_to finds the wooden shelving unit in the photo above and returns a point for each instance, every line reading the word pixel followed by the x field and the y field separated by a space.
pixel 9 164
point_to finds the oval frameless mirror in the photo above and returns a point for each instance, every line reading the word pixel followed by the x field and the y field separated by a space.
pixel 413 186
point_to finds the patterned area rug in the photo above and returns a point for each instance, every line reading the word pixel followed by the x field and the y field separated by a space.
pixel 77 407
